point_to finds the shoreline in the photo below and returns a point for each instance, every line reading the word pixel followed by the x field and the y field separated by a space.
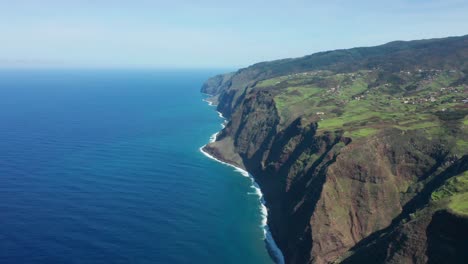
pixel 272 248
pixel 209 103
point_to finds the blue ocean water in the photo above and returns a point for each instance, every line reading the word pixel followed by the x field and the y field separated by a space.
pixel 104 167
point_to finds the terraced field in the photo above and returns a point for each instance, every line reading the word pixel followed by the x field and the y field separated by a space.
pixel 364 102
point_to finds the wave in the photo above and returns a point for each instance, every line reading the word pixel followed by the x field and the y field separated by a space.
pixel 272 247
pixel 209 102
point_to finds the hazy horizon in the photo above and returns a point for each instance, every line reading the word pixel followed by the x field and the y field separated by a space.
pixel 207 35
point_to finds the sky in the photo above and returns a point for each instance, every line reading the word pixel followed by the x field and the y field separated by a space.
pixel 209 33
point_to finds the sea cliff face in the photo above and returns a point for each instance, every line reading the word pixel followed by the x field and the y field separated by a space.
pixel 356 151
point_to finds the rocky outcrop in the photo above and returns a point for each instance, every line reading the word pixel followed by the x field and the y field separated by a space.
pixel 215 84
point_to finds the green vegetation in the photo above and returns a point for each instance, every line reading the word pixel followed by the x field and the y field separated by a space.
pixel 419 125
pixel 364 102
pixel 295 96
pixel 455 193
pixel 459 204
pixel 461 146
pixel 361 133
pixel 271 82
pixel 465 121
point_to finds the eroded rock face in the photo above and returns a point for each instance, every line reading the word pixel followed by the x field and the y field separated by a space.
pixel 366 188
pixel 332 198
pixel 215 84
pixel 325 193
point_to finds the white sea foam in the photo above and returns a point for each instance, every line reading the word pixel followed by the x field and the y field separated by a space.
pixel 273 248
pixel 213 137
pixel 241 171
pixel 208 101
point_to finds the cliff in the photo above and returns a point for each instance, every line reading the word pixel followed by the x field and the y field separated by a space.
pixel 362 154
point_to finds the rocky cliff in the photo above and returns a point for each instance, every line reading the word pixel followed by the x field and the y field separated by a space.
pixel 362 154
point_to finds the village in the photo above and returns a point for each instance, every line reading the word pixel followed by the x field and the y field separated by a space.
pixel 428 91
pixel 432 88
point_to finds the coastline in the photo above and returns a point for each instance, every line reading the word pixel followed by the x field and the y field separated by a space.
pixel 272 247
pixel 209 103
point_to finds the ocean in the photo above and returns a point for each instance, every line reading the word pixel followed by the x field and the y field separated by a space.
pixel 104 166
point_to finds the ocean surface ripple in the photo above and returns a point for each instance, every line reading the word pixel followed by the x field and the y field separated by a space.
pixel 102 166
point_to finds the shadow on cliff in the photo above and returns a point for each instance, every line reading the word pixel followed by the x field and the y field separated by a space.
pixel 374 248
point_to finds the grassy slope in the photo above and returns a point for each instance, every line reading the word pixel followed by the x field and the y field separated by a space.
pixel 454 193
pixel 361 104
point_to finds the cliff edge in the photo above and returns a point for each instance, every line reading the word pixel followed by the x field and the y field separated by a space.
pixel 362 154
